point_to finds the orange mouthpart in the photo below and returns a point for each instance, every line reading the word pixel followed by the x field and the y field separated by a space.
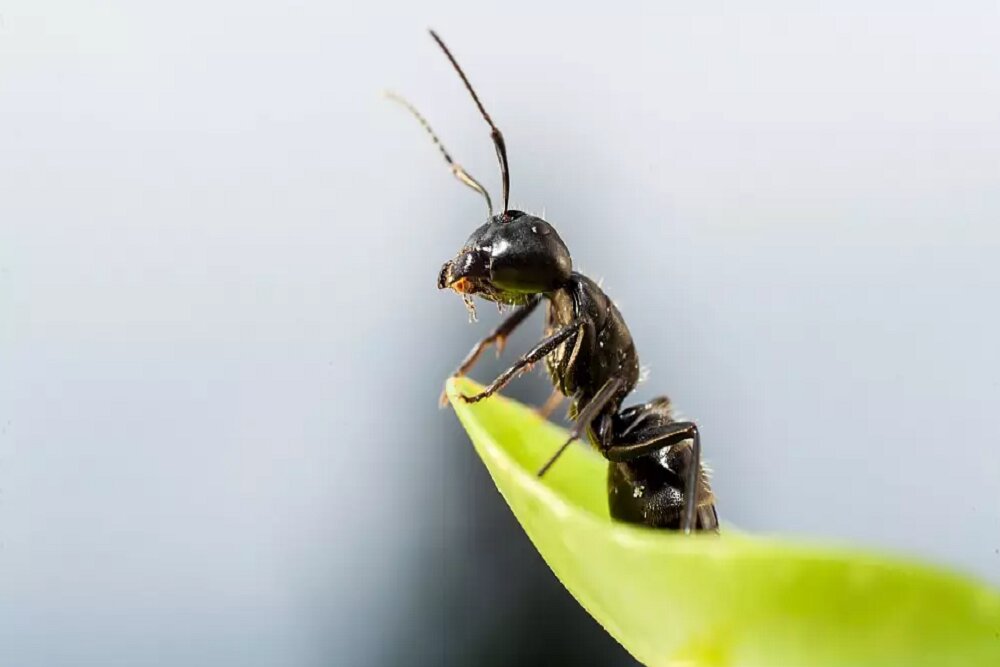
pixel 463 286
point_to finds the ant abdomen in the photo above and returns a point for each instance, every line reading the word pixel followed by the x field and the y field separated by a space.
pixel 653 489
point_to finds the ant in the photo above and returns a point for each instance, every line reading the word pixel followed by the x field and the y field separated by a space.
pixel 655 476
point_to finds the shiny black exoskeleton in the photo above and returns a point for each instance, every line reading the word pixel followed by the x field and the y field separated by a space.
pixel 655 476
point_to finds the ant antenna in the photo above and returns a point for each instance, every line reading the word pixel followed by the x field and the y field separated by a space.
pixel 456 169
pixel 498 141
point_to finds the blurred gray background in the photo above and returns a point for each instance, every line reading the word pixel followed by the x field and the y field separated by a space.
pixel 221 344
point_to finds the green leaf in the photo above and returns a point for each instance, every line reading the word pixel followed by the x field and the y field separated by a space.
pixel 733 599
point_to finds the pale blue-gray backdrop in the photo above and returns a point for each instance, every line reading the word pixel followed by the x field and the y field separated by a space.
pixel 221 345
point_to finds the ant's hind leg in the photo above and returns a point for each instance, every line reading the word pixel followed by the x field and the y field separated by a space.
pixel 635 415
pixel 671 434
pixel 538 352
pixel 496 337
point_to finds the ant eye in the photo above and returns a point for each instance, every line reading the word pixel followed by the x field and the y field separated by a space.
pixel 513 215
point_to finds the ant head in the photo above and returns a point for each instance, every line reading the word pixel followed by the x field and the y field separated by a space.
pixel 512 256
pixel 508 259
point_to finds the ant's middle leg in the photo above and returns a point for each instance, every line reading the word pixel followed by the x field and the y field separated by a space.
pixel 670 434
pixel 496 337
pixel 589 412
pixel 554 400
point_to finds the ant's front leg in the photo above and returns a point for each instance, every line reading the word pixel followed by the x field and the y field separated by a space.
pixel 496 337
pixel 538 352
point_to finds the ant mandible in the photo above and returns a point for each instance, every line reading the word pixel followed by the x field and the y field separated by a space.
pixel 655 476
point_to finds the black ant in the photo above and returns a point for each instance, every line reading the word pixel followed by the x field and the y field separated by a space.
pixel 515 259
